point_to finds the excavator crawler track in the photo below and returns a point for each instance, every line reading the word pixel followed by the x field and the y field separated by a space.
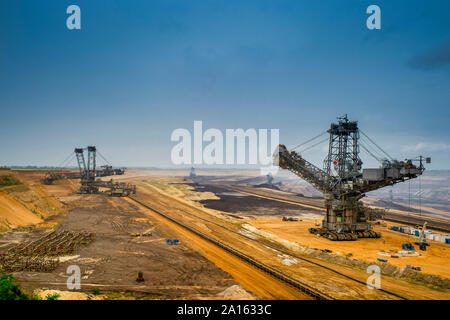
pixel 344 236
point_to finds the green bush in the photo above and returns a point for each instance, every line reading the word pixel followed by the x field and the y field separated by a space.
pixel 8 180
pixel 95 291
pixel 10 290
pixel 53 296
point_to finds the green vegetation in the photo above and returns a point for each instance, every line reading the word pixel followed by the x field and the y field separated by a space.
pixel 4 225
pixel 9 180
pixel 24 228
pixel 95 291
pixel 53 296
pixel 16 188
pixel 11 290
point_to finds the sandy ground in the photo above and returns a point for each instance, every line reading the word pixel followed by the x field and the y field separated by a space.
pixel 30 202
pixel 14 214
pixel 66 295
pixel 112 261
pixel 249 277
pixel 316 205
pixel 196 269
pixel 435 260
pixel 320 278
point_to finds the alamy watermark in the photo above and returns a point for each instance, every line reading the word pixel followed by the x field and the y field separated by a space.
pixel 74 279
pixel 74 20
pixel 374 280
pixel 234 147
pixel 373 22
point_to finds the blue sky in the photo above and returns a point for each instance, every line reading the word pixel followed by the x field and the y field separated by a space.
pixel 137 70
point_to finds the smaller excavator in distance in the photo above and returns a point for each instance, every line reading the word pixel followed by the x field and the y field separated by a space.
pixel 290 219
pixel 105 171
pixel 422 240
pixel 89 183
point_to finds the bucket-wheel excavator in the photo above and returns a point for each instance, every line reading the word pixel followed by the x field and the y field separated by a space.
pixel 343 183
pixel 88 174
pixel 105 171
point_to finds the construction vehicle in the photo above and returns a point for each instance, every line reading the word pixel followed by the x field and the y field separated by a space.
pixel 408 246
pixel 144 234
pixel 192 175
pixel 422 240
pixel 105 171
pixel 344 183
pixel 52 176
pixel 88 173
pixel 108 170
pixel 413 268
pixel 140 277
pixel 289 219
pixel 117 189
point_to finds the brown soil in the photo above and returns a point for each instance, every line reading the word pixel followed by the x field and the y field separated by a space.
pixel 14 214
pixel 249 277
pixel 433 261
pixel 197 269
pixel 316 205
pixel 315 276
pixel 112 261
pixel 327 281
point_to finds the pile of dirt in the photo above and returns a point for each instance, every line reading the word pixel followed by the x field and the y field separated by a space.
pixel 288 260
pixel 23 200
pixel 14 214
pixel 65 295
pixel 236 292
